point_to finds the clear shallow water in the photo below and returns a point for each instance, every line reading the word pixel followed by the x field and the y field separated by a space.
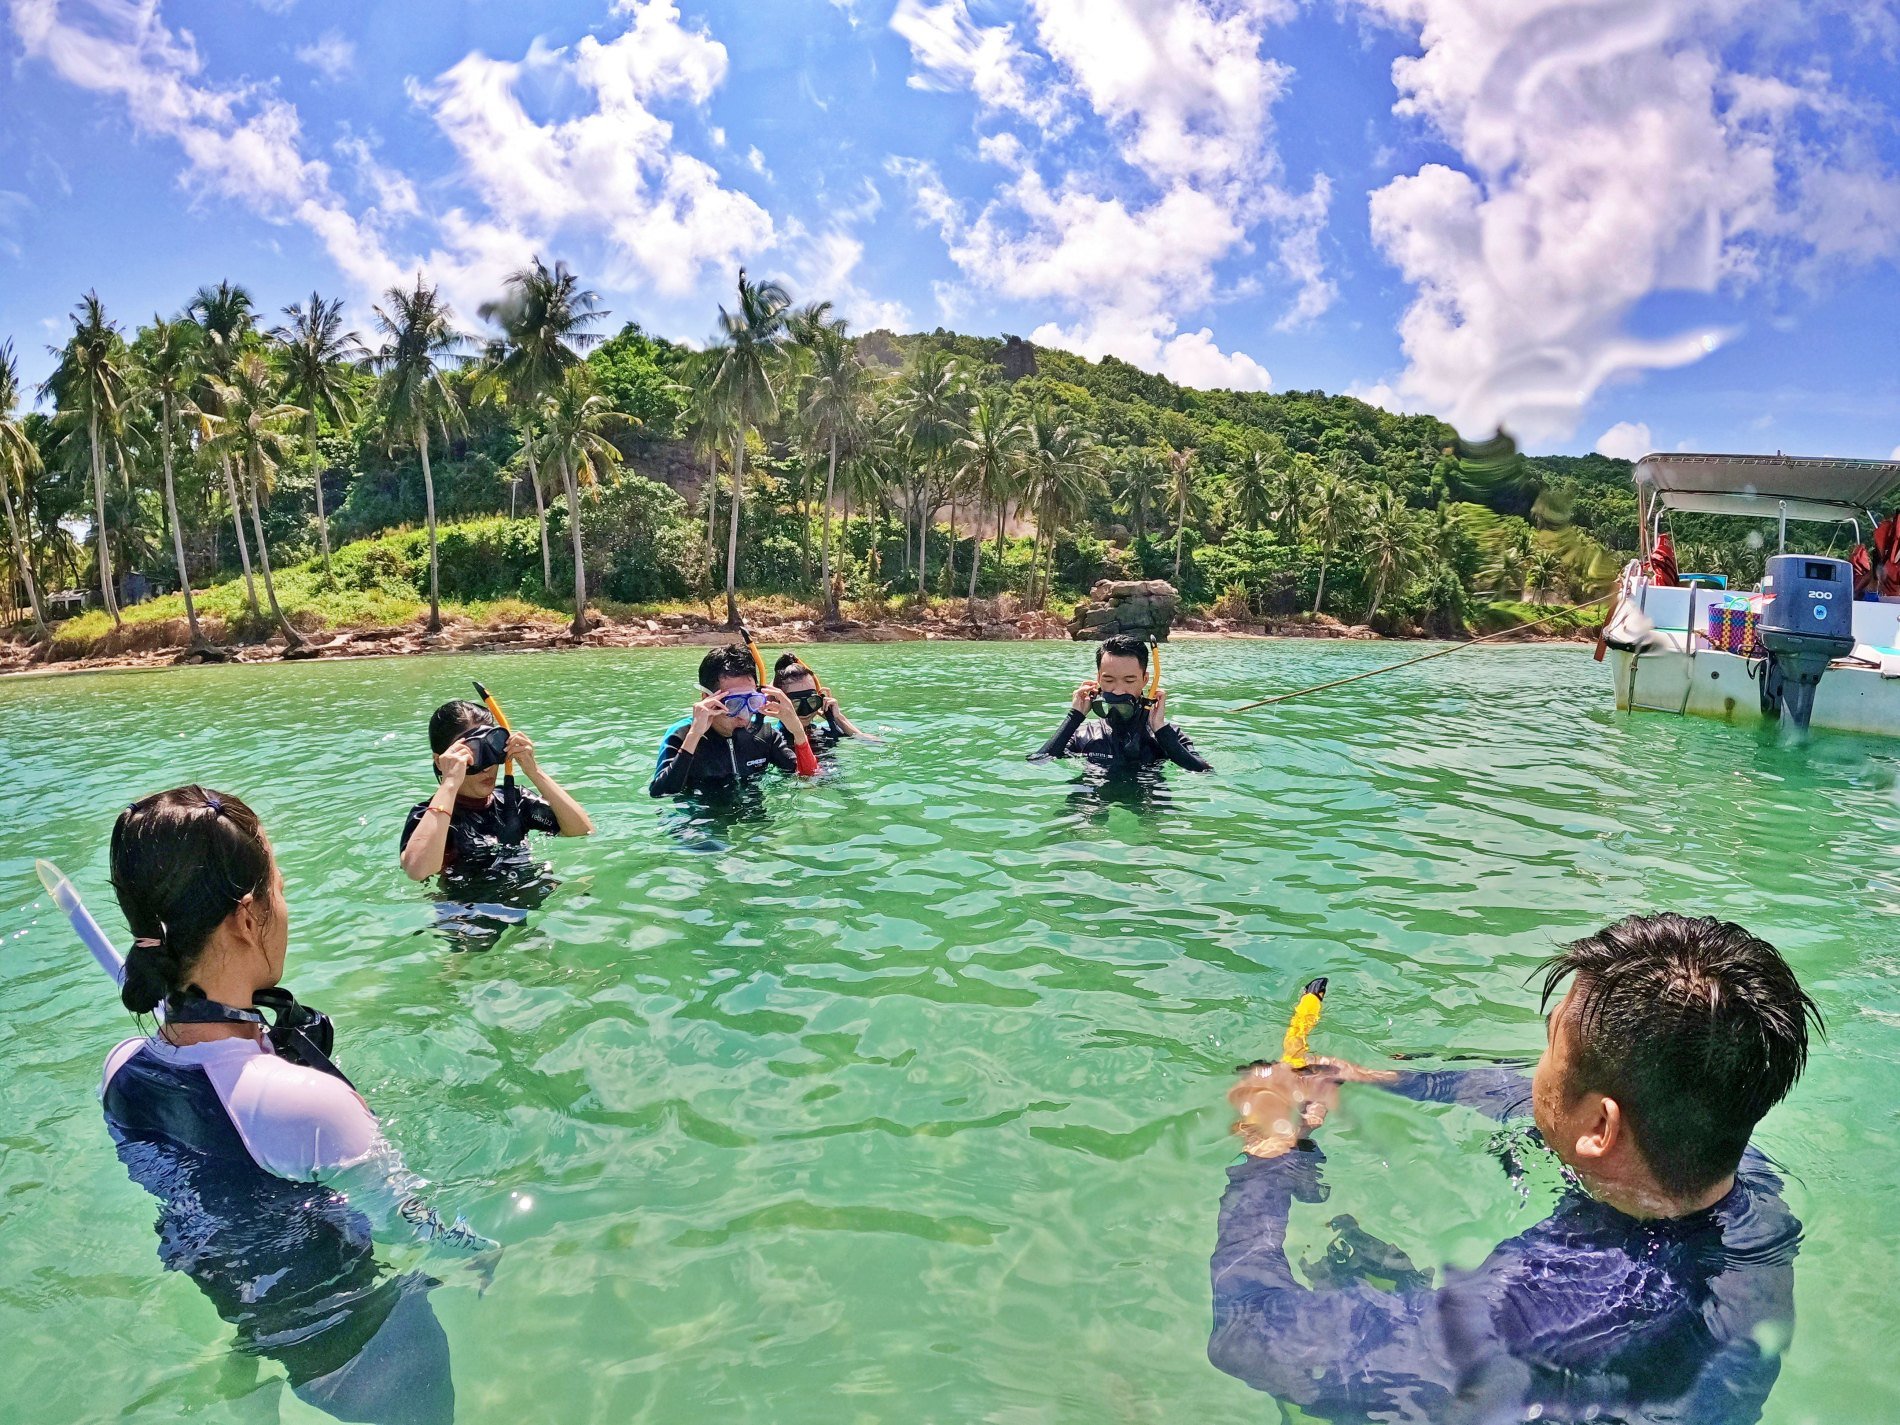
pixel 907 1105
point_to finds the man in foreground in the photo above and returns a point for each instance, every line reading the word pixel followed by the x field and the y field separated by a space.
pixel 725 741
pixel 1661 1288
pixel 1133 728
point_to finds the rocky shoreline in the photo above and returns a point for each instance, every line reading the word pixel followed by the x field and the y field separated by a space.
pixel 163 645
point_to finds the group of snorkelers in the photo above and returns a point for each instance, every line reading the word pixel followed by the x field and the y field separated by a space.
pixel 741 727
pixel 1660 1288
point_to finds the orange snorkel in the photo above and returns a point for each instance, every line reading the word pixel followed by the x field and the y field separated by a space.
pixel 1305 1019
pixel 501 721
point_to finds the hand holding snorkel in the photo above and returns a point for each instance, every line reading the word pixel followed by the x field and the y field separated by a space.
pixel 1280 1101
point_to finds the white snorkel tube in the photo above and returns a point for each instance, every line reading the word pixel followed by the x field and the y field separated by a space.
pixel 84 926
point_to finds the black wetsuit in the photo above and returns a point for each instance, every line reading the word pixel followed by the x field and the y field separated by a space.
pixel 719 763
pixel 488 835
pixel 1590 1315
pixel 1121 746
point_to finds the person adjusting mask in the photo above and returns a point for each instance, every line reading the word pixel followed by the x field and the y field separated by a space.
pixel 725 741
pixel 1119 718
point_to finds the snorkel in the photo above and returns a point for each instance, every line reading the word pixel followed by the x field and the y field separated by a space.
pixel 84 926
pixel 758 659
pixel 501 721
pixel 1305 1018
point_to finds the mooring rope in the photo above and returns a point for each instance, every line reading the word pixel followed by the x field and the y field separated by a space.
pixel 1422 658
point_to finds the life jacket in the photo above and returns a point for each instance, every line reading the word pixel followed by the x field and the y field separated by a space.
pixel 1887 556
pixel 1863 566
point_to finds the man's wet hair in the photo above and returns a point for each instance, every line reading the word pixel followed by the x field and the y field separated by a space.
pixel 789 668
pixel 451 720
pixel 732 661
pixel 1120 645
pixel 1694 1026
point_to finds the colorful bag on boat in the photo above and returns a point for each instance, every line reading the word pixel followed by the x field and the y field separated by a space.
pixel 1734 627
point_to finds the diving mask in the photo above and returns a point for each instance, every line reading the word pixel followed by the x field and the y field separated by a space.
pixel 744 704
pixel 488 747
pixel 809 703
pixel 1118 707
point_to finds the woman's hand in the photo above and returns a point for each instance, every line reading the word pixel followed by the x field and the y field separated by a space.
pixel 521 748
pixel 453 764
pixel 780 706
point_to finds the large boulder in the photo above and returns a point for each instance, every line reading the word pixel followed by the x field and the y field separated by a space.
pixel 1140 608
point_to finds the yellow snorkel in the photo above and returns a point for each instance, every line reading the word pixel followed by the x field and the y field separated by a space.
pixel 1154 669
pixel 758 659
pixel 501 721
pixel 1305 1018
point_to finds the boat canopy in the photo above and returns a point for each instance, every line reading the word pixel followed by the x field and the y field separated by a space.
pixel 1788 487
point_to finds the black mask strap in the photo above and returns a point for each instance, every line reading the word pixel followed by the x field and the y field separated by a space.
pixel 300 1034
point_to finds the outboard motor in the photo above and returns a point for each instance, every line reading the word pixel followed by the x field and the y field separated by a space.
pixel 1807 622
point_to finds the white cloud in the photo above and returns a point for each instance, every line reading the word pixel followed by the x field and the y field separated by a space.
pixel 239 142
pixel 1127 242
pixel 331 54
pixel 606 176
pixel 1608 153
pixel 952 51
pixel 755 161
pixel 14 208
pixel 1626 440
pixel 825 264
pixel 1896 453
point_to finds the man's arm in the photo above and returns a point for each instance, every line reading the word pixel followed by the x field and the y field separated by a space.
pixel 675 768
pixel 1495 1091
pixel 1178 750
pixel 1058 746
pixel 790 737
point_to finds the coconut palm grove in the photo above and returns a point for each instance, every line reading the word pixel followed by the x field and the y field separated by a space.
pixel 222 474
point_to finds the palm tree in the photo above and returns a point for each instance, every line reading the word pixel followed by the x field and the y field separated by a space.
pixel 836 395
pixel 420 339
pixel 252 436
pixel 544 317
pixel 573 424
pixel 1392 543
pixel 318 357
pixel 90 380
pixel 167 355
pixel 1332 515
pixel 1136 476
pixel 1544 572
pixel 1062 468
pixel 739 388
pixel 991 457
pixel 929 410
pixel 19 458
pixel 1255 483
pixel 1181 469
pixel 224 315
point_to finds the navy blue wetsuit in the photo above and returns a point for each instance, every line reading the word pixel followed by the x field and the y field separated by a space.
pixel 1589 1316
pixel 489 834
pixel 1124 746
pixel 263 1170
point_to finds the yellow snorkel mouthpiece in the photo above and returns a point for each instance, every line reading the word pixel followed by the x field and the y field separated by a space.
pixel 501 721
pixel 1305 1018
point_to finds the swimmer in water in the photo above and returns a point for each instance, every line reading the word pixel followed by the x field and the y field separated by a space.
pixel 825 722
pixel 726 741
pixel 467 825
pixel 273 1176
pixel 1133 728
pixel 1662 1286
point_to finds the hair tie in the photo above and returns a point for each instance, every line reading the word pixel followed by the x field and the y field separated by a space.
pixel 215 802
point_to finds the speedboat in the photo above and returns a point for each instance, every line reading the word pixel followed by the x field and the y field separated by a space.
pixel 1816 643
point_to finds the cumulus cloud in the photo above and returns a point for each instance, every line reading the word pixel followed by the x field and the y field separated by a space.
pixel 1185 178
pixel 606 174
pixel 1626 440
pixel 331 54
pixel 1607 152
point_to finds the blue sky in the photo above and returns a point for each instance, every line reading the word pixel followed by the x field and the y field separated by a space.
pixel 1616 224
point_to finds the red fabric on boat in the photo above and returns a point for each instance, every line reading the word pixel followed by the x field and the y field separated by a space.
pixel 1662 563
pixel 1863 564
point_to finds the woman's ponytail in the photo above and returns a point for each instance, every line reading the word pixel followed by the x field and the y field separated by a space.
pixel 182 861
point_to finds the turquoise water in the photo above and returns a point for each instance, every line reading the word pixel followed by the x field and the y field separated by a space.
pixel 899 1098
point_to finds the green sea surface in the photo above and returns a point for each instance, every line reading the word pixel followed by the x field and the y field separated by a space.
pixel 897 1096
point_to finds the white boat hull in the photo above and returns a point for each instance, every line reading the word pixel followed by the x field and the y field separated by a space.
pixel 1718 685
